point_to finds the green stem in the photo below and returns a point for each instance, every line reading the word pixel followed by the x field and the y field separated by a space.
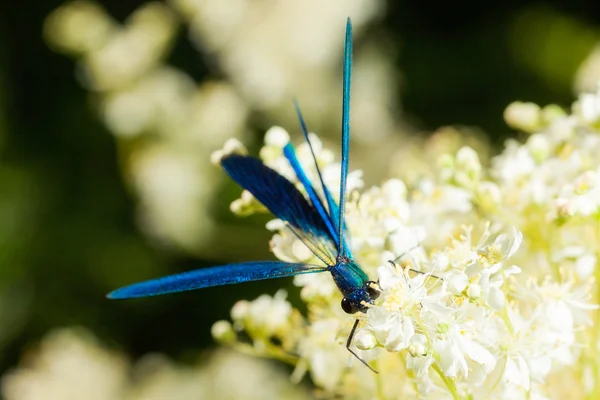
pixel 268 352
pixel 448 382
pixel 417 318
pixel 506 319
pixel 379 382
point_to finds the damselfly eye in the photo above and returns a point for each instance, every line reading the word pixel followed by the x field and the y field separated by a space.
pixel 349 306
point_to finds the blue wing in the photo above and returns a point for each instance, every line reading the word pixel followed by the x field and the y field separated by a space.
pixel 290 154
pixel 345 134
pixel 333 207
pixel 330 218
pixel 285 201
pixel 214 276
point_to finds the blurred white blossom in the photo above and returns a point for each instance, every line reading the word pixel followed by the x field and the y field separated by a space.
pixel 71 364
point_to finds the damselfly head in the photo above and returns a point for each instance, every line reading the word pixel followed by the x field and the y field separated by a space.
pixel 361 299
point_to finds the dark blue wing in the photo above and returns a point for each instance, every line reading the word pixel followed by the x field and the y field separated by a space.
pixel 333 214
pixel 215 276
pixel 290 154
pixel 345 133
pixel 285 201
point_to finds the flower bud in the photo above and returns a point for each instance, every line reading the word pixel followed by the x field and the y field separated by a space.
pixel 468 159
pixel 365 340
pixel 240 310
pixel 417 347
pixel 277 136
pixel 523 116
pixel 487 196
pixel 223 332
pixel 417 350
pixel 551 112
pixel 231 146
pixel 539 147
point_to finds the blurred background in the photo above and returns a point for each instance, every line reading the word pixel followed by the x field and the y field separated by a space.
pixel 109 111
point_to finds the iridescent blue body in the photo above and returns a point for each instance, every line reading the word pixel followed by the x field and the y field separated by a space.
pixel 318 223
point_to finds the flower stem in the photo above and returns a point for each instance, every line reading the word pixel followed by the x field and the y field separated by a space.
pixel 267 352
pixel 506 319
pixel 448 382
pixel 379 383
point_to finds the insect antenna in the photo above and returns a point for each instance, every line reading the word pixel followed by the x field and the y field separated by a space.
pixel 395 261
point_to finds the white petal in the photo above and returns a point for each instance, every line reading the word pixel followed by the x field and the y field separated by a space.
pixel 388 277
pixel 495 298
pixel 479 354
pixel 474 291
pixel 560 316
pixel 457 281
pixel 539 367
pixel 452 359
pixel 512 270
pixel 525 377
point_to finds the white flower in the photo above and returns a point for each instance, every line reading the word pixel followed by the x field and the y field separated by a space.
pixel 402 240
pixel 565 304
pixel 527 355
pixel 324 354
pixel 462 253
pixel 582 196
pixel 514 164
pixel 488 196
pixel 520 371
pixel 401 292
pixel 277 136
pixel 504 247
pixel 455 349
pixel 419 359
pixel 393 330
pixel 540 147
pixel 266 316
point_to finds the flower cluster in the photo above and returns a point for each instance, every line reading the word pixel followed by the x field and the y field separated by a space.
pixel 70 364
pixel 487 274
